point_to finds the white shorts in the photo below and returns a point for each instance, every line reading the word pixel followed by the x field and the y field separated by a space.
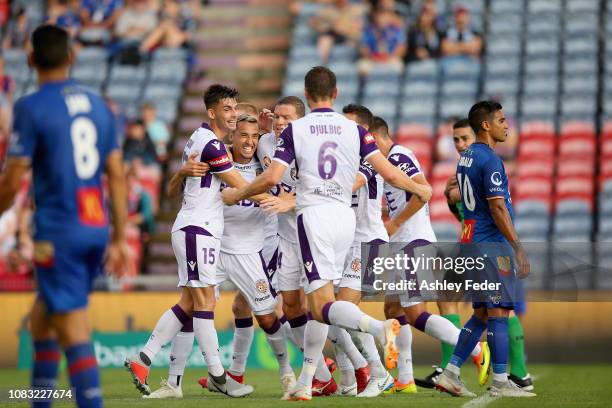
pixel 247 272
pixel 415 249
pixel 353 272
pixel 325 234
pixel 289 266
pixel 270 256
pixel 197 255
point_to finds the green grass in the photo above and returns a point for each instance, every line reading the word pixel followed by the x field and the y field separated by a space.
pixel 556 385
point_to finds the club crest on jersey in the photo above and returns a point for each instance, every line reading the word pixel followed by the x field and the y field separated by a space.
pixel 266 161
pixel 261 286
pixel 368 138
pixel 308 266
pixel 496 178
pixel 356 265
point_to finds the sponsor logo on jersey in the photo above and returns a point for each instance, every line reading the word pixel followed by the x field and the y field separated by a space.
pixel 90 208
pixel 216 144
pixel 406 167
pixel 368 138
pixel 496 178
pixel 261 286
pixel 192 265
pixel 308 266
pixel 219 161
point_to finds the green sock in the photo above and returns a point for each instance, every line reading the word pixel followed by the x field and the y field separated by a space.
pixel 447 349
pixel 517 347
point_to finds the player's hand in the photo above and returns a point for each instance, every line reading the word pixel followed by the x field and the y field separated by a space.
pixel 266 116
pixel 285 202
pixel 230 196
pixel 451 185
pixel 424 192
pixel 193 168
pixel 391 226
pixel 522 263
pixel 117 258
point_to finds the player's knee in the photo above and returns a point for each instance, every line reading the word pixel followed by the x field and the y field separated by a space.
pixel 292 307
pixel 266 321
pixel 240 309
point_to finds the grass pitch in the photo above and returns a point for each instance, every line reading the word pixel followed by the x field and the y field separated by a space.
pixel 556 385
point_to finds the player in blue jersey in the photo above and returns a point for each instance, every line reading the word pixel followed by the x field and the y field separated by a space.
pixel 66 134
pixel 488 222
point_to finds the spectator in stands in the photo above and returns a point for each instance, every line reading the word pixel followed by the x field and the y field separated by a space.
pixel 173 31
pixel 424 38
pixel 98 18
pixel 445 145
pixel 157 130
pixel 17 32
pixel 460 39
pixel 135 22
pixel 64 14
pixel 138 145
pixel 338 23
pixel 120 120
pixel 140 206
pixel 383 42
pixel 7 87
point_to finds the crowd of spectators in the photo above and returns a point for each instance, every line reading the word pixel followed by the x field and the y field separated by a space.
pixel 384 32
pixel 131 30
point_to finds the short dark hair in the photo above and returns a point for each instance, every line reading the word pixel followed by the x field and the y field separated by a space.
pixel 216 93
pixel 50 47
pixel 482 111
pixel 461 123
pixel 380 126
pixel 320 83
pixel 364 115
pixel 294 101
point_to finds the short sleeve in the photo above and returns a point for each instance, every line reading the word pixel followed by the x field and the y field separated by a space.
pixel 24 135
pixel 216 156
pixel 405 164
pixel 493 175
pixel 367 143
pixel 284 152
pixel 366 170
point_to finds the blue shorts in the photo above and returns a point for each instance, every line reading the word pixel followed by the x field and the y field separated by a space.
pixel 66 267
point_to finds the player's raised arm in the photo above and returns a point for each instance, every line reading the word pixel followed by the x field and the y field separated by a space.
pixel 117 250
pixel 398 178
pixel 411 208
pixel 191 168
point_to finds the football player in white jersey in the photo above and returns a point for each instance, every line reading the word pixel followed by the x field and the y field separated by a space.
pixel 369 374
pixel 196 236
pixel 327 149
pixel 289 275
pixel 409 224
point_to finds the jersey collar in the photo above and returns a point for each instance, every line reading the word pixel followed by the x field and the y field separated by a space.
pixel 205 126
pixel 322 110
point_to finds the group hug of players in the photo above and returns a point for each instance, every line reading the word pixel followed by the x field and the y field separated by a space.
pixel 322 174
pixel 263 213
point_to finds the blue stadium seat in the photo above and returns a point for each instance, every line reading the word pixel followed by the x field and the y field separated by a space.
pixel 455 107
pixel 543 24
pixel 580 85
pixel 541 67
pixel 417 109
pixel 539 108
pixel 296 69
pixel 505 24
pixel 503 67
pixel 578 107
pixel 582 46
pixel 543 47
pixel 173 72
pixel 532 208
pixel 445 231
pixel 127 74
pixel 123 91
pixel 167 109
pixel 578 23
pixel 536 85
pixel 505 6
pixel 501 86
pixel 572 6
pixel 344 69
pixel 504 44
pixel 544 6
pixel 457 89
pixel 576 226
pixel 159 91
pixel 343 53
pixel 305 52
pixel 460 68
pixel 534 227
pixel 420 89
pixel 348 87
pixel 90 75
pixel 169 54
pixel 296 87
pixel 92 56
pixel 425 70
pixel 579 66
pixel 574 208
pixel 378 88
pixel 605 207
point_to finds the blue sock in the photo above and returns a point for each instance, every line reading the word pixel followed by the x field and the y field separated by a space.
pixel 84 376
pixel 468 338
pixel 45 368
pixel 499 344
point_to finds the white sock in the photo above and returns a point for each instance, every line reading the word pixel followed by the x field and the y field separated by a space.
pixel 243 338
pixel 453 369
pixel 205 332
pixel 443 330
pixel 166 328
pixel 348 316
pixel 182 344
pixel 278 344
pixel 370 352
pixel 288 333
pixel 347 371
pixel 404 362
pixel 314 341
pixel 500 378
pixel 322 372
pixel 343 340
